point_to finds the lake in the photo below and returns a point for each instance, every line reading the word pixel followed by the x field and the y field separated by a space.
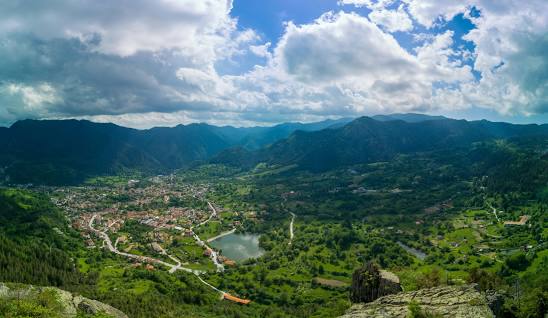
pixel 238 247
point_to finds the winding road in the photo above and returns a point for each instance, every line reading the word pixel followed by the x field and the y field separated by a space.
pixel 177 266
pixel 212 253
pixel 147 259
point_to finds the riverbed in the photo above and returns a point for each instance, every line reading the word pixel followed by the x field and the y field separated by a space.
pixel 238 247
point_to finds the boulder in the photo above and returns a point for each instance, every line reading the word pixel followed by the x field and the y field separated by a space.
pixel 369 283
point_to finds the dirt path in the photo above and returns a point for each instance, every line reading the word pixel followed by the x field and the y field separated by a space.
pixel 291 234
pixel 494 211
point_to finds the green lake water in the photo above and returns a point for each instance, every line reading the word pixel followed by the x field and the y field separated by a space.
pixel 238 247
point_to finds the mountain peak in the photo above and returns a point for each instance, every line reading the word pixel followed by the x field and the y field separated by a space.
pixel 408 117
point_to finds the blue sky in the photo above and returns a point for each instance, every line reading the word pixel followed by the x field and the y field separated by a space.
pixel 268 18
pixel 245 62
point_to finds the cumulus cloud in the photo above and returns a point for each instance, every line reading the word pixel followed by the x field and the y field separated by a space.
pixel 510 40
pixel 127 26
pixel 345 64
pixel 109 58
pixel 392 20
pixel 156 62
pixel 341 45
pixel 371 4
pixel 261 50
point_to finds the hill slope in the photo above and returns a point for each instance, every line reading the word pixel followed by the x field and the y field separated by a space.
pixel 368 140
pixel 30 301
pixel 68 151
pixel 34 238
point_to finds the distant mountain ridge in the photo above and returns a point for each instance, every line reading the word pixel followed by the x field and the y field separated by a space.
pixel 68 151
pixel 408 117
pixel 368 140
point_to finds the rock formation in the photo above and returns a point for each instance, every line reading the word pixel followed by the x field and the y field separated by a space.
pixel 369 283
pixel 70 305
pixel 447 301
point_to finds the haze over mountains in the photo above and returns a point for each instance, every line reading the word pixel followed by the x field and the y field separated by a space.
pixel 368 140
pixel 68 151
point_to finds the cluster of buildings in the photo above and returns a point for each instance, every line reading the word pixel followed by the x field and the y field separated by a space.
pixel 153 203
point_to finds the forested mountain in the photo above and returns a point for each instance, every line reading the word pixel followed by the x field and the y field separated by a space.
pixel 68 151
pixel 261 136
pixel 33 238
pixel 369 140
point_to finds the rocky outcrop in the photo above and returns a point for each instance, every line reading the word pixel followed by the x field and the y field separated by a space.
pixel 69 304
pixel 447 301
pixel 369 283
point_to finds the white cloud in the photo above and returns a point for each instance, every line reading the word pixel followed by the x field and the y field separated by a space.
pixel 19 100
pixel 261 50
pixel 116 57
pixel 157 61
pixel 371 4
pixel 392 20
pixel 340 46
pixel 510 41
pixel 344 64
pixel 33 97
pixel 427 12
pixel 125 27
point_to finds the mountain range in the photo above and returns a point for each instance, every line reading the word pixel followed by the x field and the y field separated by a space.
pixel 68 151
pixel 368 140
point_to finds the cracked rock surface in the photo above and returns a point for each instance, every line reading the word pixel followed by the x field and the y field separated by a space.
pixel 446 301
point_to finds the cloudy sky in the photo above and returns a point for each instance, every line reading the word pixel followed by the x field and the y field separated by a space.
pixel 144 63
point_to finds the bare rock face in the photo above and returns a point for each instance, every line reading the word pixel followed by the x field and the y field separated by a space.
pixel 70 304
pixel 447 301
pixel 370 283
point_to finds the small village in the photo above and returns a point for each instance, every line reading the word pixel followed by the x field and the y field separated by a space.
pixel 158 217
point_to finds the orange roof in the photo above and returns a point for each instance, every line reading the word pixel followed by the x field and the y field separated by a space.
pixel 229 262
pixel 236 299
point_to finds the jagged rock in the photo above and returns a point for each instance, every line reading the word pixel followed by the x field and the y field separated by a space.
pixel 70 304
pixel 495 301
pixel 447 301
pixel 370 283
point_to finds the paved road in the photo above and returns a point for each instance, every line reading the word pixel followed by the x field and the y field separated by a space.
pixel 147 259
pixel 213 254
pixel 209 240
pixel 172 268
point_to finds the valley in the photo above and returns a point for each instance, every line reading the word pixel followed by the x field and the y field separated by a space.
pixel 274 159
pixel 279 240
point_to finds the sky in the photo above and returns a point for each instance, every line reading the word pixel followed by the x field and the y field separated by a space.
pixel 145 63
